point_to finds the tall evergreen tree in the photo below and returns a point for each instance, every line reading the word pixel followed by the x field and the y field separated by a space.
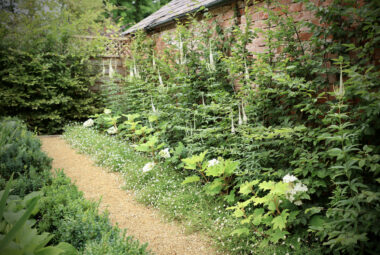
pixel 128 12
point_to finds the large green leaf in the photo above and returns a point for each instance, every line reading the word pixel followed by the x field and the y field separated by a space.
pixel 246 188
pixel 316 222
pixel 279 222
pixel 4 196
pixel 214 187
pixel 18 226
pixel 240 231
pixel 191 179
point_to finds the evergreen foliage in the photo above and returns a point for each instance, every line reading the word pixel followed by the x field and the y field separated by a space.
pixel 21 156
pixel 37 210
pixel 45 70
pixel 128 12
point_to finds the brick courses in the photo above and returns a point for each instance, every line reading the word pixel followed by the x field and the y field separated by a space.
pixel 225 15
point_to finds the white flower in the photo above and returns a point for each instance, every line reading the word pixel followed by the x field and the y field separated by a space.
pixel 88 123
pixel 340 91
pixel 245 118
pixel 289 178
pixel 153 108
pixel 154 62
pixel 148 166
pixel 299 187
pixel 107 111
pixel 212 63
pixel 232 124
pixel 164 153
pixel 240 122
pixel 110 70
pixel 131 73
pixel 160 78
pixel 213 162
pixel 112 130
pixel 246 72
pixel 294 190
pixel 299 239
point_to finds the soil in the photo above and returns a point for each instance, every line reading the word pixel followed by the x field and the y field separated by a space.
pixel 145 224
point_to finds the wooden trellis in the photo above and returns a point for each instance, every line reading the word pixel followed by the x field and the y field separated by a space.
pixel 117 47
pixel 111 61
pixel 113 47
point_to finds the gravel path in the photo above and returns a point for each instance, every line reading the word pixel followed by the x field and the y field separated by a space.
pixel 143 223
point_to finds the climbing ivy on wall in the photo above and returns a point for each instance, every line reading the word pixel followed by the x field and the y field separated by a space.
pixel 301 121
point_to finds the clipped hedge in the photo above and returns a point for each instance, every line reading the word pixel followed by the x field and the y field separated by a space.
pixel 63 211
pixel 21 154
pixel 46 90
pixel 71 218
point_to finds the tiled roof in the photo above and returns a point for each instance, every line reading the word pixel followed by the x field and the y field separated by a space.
pixel 174 9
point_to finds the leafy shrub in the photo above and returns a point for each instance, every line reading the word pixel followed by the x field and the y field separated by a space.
pixel 46 90
pixel 72 219
pixel 17 233
pixel 21 155
pixel 62 209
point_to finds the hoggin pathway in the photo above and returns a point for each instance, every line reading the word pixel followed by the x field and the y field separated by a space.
pixel 143 223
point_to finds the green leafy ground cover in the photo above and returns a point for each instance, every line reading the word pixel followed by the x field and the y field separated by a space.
pixel 38 210
pixel 162 187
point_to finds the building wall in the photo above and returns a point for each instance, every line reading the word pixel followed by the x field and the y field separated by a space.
pixel 234 13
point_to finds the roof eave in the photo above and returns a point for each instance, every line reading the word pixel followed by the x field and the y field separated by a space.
pixel 172 19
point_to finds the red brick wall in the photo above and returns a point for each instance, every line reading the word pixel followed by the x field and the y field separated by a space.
pixel 226 17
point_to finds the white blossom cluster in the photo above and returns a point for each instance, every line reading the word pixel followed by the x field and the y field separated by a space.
pixel 213 162
pixel 112 130
pixel 148 167
pixel 88 123
pixel 164 153
pixel 295 188
pixel 289 178
pixel 107 111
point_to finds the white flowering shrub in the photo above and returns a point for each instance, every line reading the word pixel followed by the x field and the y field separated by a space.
pixel 112 130
pixel 164 153
pixel 213 162
pixel 88 123
pixel 273 213
pixel 216 174
pixel 148 167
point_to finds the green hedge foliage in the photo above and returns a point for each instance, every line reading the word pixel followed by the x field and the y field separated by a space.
pixel 18 234
pixel 62 210
pixel 72 219
pixel 21 155
pixel 46 90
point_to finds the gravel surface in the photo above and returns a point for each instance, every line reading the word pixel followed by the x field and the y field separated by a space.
pixel 142 222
